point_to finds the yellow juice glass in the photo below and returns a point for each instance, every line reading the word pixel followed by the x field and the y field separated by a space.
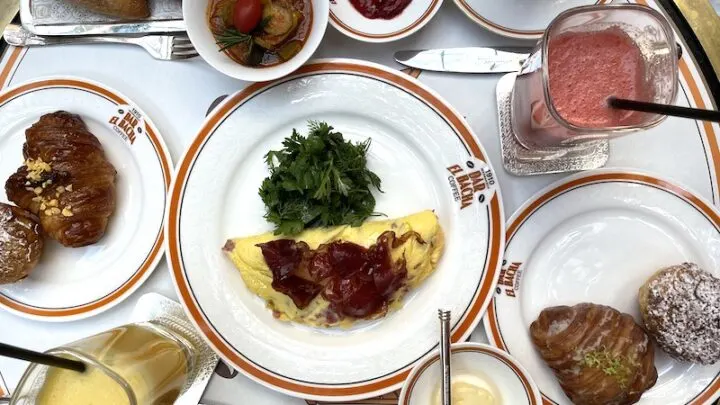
pixel 138 364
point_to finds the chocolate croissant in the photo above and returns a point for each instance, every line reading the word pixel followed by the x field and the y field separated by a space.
pixel 599 355
pixel 66 180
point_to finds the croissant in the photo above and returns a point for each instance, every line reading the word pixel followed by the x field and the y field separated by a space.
pixel 66 180
pixel 599 355
pixel 132 9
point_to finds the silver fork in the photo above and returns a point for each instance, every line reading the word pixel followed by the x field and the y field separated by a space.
pixel 163 47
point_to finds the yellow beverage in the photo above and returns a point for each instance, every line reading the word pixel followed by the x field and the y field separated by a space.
pixel 66 387
pixel 8 9
pixel 139 364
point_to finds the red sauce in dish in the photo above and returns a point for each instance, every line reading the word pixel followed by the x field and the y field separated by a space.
pixel 357 281
pixel 384 9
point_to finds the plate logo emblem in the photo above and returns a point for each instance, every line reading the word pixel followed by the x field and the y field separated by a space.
pixel 127 122
pixel 509 280
pixel 472 179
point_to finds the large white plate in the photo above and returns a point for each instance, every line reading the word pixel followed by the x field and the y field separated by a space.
pixel 597 237
pixel 419 146
pixel 350 22
pixel 522 19
pixel 73 283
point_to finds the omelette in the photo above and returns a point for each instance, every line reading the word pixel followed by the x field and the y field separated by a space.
pixel 336 276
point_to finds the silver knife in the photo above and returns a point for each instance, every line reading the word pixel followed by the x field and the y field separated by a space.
pixel 465 60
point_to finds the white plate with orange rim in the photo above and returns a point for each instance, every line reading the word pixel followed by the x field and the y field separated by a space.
pixel 425 154
pixel 477 364
pixel 351 22
pixel 597 237
pixel 75 283
pixel 520 19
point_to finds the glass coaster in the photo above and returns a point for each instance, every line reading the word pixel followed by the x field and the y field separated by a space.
pixel 523 162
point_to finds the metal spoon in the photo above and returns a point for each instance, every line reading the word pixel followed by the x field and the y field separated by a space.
pixel 445 355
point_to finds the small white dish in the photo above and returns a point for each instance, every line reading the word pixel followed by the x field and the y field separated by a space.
pixel 520 19
pixel 195 16
pixel 350 22
pixel 597 237
pixel 427 158
pixel 510 381
pixel 75 283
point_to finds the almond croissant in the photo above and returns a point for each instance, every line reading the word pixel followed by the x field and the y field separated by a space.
pixel 599 355
pixel 66 180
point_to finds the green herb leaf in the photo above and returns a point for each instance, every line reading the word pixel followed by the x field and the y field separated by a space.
pixel 231 37
pixel 617 366
pixel 318 180
pixel 263 23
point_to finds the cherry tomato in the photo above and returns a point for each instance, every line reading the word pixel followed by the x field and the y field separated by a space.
pixel 246 15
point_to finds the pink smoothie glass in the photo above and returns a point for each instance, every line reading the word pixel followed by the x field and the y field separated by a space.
pixel 586 55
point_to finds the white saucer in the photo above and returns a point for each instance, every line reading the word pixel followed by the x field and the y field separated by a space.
pixel 74 283
pixel 521 19
pixel 597 237
pixel 350 22
pixel 512 382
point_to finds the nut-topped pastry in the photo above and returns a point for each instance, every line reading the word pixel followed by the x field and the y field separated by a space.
pixel 66 180
pixel 680 306
pixel 600 356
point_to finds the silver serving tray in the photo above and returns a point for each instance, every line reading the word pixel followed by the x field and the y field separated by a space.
pixel 59 17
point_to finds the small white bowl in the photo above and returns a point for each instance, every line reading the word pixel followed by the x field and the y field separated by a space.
pixel 195 15
pixel 350 22
pixel 512 381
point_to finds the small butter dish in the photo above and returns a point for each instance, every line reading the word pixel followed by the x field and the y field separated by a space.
pixel 481 371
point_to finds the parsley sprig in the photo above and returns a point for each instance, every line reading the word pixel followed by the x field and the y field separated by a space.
pixel 318 180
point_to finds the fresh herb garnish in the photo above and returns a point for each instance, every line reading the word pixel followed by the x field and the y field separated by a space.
pixel 231 37
pixel 616 366
pixel 263 23
pixel 318 180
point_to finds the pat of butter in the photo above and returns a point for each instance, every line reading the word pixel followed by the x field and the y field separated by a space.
pixel 470 389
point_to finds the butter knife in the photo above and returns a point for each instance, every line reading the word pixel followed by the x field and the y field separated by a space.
pixel 465 60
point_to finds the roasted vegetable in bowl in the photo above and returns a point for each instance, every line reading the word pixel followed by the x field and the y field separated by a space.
pixel 260 33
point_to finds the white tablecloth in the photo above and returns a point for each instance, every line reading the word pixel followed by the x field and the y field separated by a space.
pixel 177 94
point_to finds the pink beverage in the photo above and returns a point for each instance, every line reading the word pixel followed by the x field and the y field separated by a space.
pixel 588 67
pixel 586 55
